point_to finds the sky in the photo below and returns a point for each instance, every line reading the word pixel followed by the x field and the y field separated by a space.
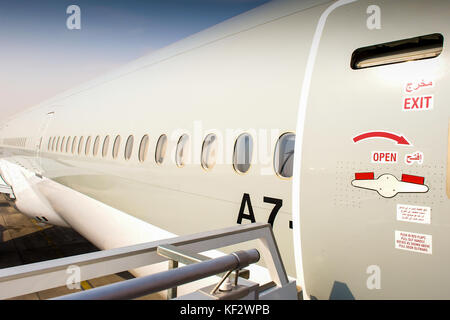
pixel 40 57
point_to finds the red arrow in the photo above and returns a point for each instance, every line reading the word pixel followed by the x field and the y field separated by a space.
pixel 381 134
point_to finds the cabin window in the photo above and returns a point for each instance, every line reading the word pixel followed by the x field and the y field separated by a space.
pixel 96 145
pixel 182 150
pixel 63 144
pixel 143 148
pixel 209 151
pixel 284 155
pixel 116 147
pixel 161 147
pixel 74 144
pixel 129 148
pixel 105 147
pixel 49 143
pixel 57 144
pixel 68 144
pixel 80 145
pixel 88 145
pixel 243 150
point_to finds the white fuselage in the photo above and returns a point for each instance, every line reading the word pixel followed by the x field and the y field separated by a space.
pixel 251 74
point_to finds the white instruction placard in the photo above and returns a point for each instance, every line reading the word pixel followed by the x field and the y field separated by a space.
pixel 417 214
pixel 415 242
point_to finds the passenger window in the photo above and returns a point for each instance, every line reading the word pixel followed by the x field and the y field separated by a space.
pixel 143 148
pixel 209 151
pixel 96 144
pixel 88 145
pixel 243 150
pixel 105 147
pixel 49 143
pixel 116 147
pixel 69 139
pixel 74 144
pixel 284 155
pixel 182 150
pixel 161 146
pixel 129 147
pixel 62 144
pixel 80 144
pixel 57 144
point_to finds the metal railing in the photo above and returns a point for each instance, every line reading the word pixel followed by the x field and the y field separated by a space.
pixel 25 279
pixel 142 286
pixel 176 256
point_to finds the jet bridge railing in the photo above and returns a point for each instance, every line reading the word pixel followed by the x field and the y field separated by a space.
pixel 160 281
pixel 25 279
pixel 176 256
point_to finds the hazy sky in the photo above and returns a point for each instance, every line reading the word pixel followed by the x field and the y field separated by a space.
pixel 40 56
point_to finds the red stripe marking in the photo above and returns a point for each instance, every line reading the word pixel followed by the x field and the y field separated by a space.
pixel 413 179
pixel 364 176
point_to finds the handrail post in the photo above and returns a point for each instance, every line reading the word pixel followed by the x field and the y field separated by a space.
pixel 172 292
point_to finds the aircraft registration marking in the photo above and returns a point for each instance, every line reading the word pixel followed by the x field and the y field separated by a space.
pixel 246 203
